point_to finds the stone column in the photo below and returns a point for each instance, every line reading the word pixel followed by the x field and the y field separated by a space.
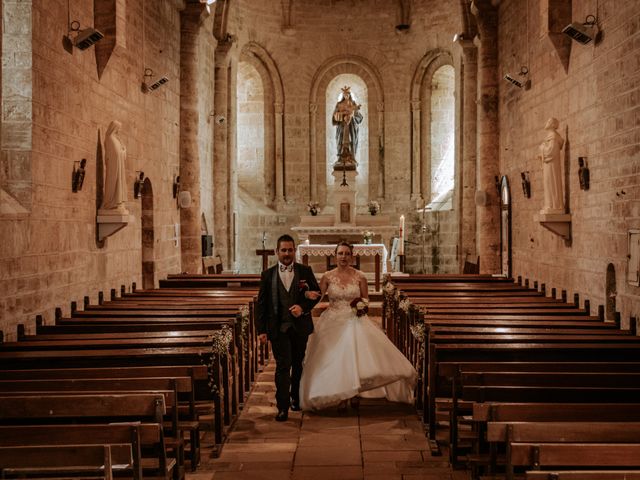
pixel 416 160
pixel 190 228
pixel 380 156
pixel 278 114
pixel 232 153
pixel 222 208
pixel 487 202
pixel 468 86
pixel 313 161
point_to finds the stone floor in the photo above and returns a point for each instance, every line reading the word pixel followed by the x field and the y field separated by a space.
pixel 380 441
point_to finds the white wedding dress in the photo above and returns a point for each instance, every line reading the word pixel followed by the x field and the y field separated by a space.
pixel 349 355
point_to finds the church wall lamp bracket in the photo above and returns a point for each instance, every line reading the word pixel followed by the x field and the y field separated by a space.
pixel 583 173
pixel 138 186
pixel 526 184
pixel 77 178
pixel 176 186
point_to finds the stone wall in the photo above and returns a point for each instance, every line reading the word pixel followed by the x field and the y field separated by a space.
pixel 593 91
pixel 51 255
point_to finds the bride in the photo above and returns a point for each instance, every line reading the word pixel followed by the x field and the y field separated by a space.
pixel 348 355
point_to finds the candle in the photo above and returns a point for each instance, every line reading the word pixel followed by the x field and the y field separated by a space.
pixel 401 236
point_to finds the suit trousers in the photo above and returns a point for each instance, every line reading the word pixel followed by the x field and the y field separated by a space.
pixel 288 349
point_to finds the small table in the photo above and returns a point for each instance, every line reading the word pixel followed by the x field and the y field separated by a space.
pixel 378 250
pixel 265 257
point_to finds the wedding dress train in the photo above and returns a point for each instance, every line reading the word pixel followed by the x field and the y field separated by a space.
pixel 349 355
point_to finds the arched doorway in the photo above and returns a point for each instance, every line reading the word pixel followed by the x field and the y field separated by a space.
pixel 610 293
pixel 146 221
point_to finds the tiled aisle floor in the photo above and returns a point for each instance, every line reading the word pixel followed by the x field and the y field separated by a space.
pixel 381 441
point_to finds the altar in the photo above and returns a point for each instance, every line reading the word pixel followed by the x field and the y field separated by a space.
pixel 377 251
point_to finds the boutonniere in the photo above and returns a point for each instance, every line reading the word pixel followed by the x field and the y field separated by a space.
pixel 303 286
pixel 359 306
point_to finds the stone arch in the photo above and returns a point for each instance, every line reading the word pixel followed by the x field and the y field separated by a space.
pixel 260 59
pixel 317 131
pixel 421 119
pixel 147 235
pixel 610 293
pixel 16 184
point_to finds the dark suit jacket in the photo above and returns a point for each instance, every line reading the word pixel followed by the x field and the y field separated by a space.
pixel 268 317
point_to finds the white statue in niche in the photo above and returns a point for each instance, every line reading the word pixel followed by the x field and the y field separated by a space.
pixel 115 194
pixel 552 168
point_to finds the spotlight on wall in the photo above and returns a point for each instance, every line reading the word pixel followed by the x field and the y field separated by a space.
pixel 138 186
pixel 148 84
pixel 583 32
pixel 81 39
pixel 520 83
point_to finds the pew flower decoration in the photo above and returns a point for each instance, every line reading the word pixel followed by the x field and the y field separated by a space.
pixel 404 305
pixel 220 341
pixel 244 315
pixel 418 332
pixel 313 208
pixel 359 306
pixel 389 289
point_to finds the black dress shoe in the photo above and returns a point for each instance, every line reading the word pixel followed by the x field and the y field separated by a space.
pixel 282 416
pixel 295 406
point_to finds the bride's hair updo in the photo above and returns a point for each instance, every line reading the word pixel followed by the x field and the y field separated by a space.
pixel 344 243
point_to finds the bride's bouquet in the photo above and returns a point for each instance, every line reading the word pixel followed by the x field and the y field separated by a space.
pixel 359 306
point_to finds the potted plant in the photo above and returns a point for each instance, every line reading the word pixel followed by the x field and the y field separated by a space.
pixel 374 207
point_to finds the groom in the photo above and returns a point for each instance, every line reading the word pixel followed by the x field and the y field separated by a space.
pixel 288 293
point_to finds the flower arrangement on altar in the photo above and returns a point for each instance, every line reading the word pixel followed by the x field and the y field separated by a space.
pixel 367 237
pixel 313 208
pixel 374 207
pixel 359 306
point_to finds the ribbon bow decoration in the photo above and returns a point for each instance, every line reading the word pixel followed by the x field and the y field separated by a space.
pixel 286 268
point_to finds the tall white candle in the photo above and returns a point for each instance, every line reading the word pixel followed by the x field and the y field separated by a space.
pixel 401 236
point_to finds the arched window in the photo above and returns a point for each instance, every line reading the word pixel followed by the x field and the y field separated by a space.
pixel 251 144
pixel 442 138
pixel 360 94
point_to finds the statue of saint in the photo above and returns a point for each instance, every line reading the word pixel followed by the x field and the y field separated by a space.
pixel 552 168
pixel 115 194
pixel 346 118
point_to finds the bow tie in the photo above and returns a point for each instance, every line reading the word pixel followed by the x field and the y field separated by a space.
pixel 286 268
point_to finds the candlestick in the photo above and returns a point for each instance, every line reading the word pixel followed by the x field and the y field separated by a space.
pixel 401 236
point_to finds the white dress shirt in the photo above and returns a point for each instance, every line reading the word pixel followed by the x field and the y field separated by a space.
pixel 286 276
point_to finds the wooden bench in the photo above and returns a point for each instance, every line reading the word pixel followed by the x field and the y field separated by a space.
pixel 146 439
pixel 68 460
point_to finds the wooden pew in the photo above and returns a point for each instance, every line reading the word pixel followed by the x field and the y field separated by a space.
pixel 583 475
pixel 69 460
pixel 146 439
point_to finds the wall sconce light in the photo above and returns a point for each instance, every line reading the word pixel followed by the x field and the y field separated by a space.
pixel 138 186
pixel 77 178
pixel 176 185
pixel 583 173
pixel 457 37
pixel 583 32
pixel 526 184
pixel 148 85
pixel 523 83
